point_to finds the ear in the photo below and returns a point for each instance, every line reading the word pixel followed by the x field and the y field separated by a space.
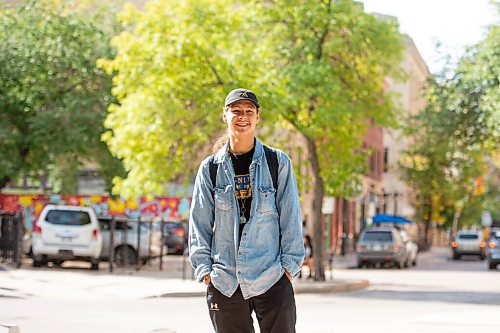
pixel 258 117
pixel 224 118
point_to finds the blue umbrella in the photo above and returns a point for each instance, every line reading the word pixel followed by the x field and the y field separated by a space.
pixel 380 218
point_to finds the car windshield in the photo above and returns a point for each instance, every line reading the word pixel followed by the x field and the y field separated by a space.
pixel 468 236
pixel 67 217
pixel 383 236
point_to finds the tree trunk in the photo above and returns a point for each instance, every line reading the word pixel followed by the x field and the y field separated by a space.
pixel 317 202
pixel 456 218
pixel 459 212
pixel 428 201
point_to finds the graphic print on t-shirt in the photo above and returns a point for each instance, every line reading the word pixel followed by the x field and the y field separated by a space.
pixel 243 188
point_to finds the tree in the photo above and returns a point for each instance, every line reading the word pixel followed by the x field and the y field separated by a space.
pixel 53 98
pixel 456 134
pixel 175 62
pixel 330 62
pixel 318 67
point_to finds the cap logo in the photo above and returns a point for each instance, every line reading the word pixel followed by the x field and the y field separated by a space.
pixel 244 95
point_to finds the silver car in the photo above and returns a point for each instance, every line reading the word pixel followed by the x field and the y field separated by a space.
pixel 381 245
pixel 125 241
pixel 468 242
pixel 494 250
pixel 411 248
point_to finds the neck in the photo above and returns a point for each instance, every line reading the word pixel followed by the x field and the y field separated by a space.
pixel 241 145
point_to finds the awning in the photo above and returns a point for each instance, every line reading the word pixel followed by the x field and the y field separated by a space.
pixel 381 218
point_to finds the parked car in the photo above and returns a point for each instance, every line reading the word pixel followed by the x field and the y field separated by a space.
pixel 66 233
pixel 468 242
pixel 493 252
pixel 176 236
pixel 125 241
pixel 381 245
pixel 411 248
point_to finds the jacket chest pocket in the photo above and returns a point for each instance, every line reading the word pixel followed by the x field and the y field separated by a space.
pixel 267 200
pixel 223 197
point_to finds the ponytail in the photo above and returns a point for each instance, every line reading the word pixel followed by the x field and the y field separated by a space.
pixel 221 141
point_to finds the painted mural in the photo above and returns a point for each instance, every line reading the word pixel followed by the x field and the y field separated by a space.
pixel 147 208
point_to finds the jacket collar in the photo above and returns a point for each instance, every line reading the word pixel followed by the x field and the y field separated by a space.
pixel 223 153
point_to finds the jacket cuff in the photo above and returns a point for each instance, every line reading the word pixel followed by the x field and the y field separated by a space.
pixel 201 271
pixel 291 266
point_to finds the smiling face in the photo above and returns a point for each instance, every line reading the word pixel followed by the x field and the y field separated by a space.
pixel 241 118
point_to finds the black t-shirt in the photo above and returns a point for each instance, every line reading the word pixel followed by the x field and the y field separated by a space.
pixel 241 165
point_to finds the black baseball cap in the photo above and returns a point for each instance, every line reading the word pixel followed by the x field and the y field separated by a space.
pixel 241 94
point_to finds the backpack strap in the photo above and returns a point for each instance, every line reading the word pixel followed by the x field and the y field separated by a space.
pixel 272 163
pixel 212 167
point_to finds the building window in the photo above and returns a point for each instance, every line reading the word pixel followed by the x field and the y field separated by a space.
pixel 372 162
pixel 386 158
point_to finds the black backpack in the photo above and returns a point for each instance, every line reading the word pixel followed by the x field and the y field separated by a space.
pixel 272 163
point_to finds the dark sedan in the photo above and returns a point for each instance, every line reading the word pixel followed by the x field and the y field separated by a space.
pixel 176 236
pixel 493 252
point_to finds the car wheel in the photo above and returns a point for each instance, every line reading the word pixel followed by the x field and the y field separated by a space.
pixel 58 262
pixel 125 255
pixel 492 265
pixel 94 265
pixel 414 263
pixel 37 262
pixel 483 257
pixel 456 256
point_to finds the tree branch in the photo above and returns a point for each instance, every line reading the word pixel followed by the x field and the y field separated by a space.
pixel 322 38
pixel 214 71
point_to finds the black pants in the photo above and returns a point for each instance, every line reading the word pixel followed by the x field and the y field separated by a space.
pixel 275 310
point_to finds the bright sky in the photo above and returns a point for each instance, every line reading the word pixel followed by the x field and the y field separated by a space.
pixel 454 23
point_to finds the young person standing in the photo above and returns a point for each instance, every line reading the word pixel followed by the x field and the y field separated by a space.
pixel 245 230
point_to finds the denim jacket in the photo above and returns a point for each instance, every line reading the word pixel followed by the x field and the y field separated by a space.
pixel 260 260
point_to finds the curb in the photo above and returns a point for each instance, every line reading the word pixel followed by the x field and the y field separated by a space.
pixel 299 288
pixel 329 287
pixel 11 328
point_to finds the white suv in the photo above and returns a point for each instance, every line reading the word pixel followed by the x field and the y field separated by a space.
pixel 66 233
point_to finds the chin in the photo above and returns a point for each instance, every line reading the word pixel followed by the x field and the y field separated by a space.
pixel 243 133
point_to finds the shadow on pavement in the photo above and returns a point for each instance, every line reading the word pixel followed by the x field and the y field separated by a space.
pixel 485 298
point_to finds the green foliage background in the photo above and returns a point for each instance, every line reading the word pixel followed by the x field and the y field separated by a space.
pixel 317 67
pixel 53 98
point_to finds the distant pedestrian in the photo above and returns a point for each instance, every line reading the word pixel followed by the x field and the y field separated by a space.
pixel 305 232
pixel 308 260
pixel 245 233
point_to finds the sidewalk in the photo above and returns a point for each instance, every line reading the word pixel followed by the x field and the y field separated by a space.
pixel 79 281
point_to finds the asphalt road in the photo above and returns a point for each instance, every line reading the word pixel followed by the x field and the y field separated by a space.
pixel 439 295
